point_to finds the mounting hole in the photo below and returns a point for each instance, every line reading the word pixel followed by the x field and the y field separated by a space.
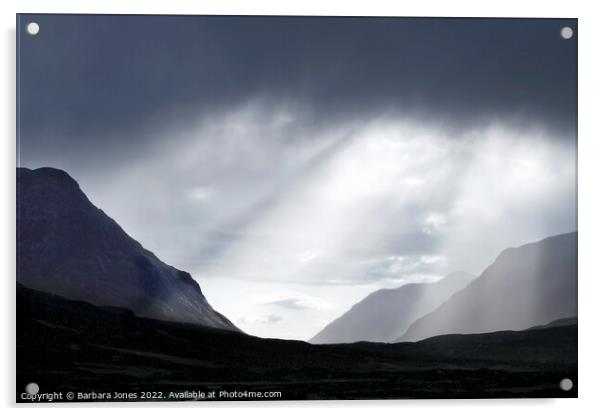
pixel 566 384
pixel 566 32
pixel 32 388
pixel 33 28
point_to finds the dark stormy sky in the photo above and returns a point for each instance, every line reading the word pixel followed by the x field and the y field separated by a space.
pixel 293 165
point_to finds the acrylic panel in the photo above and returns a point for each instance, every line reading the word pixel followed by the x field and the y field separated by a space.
pixel 295 208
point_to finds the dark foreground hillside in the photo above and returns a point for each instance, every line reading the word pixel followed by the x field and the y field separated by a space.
pixel 68 346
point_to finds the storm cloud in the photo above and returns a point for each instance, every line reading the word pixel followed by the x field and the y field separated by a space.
pixel 101 82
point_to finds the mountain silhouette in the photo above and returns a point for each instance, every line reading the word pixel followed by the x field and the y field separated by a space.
pixel 68 247
pixel 384 315
pixel 558 322
pixel 527 286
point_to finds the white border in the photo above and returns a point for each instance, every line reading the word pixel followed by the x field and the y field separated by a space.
pixel 590 137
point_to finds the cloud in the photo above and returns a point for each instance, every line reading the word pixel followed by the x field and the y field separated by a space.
pixel 199 193
pixel 335 68
pixel 264 320
pixel 403 268
pixel 433 223
pixel 296 301
pixel 261 194
pixel 341 200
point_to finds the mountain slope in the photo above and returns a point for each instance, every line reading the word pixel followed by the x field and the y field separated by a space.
pixel 384 315
pixel 556 323
pixel 526 286
pixel 67 246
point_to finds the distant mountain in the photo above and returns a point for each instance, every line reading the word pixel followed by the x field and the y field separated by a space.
pixel 68 247
pixel 526 286
pixel 556 323
pixel 384 315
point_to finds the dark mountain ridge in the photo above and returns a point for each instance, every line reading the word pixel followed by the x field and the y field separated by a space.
pixel 67 246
